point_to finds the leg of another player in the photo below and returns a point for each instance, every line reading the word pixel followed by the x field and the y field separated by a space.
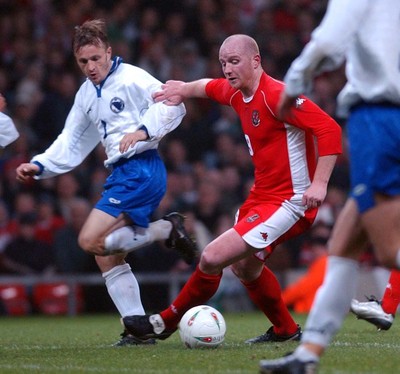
pixel 380 313
pixel 391 297
pixel 264 290
pixel 121 283
pixel 103 234
pixel 382 224
pixel 333 299
pixel 203 283
pixel 200 287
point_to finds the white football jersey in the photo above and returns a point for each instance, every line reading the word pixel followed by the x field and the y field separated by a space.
pixel 365 33
pixel 105 113
pixel 8 131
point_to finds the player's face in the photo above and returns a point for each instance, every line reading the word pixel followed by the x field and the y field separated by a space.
pixel 95 62
pixel 236 66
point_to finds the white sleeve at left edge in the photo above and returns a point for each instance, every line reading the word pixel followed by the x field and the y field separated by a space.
pixel 8 132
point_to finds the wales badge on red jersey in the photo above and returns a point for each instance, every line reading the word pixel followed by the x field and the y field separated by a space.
pixel 255 118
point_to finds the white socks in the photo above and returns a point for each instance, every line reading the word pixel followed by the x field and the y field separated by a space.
pixel 332 301
pixel 128 238
pixel 124 290
pixel 305 355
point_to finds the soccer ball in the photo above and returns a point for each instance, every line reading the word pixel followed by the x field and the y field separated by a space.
pixel 202 327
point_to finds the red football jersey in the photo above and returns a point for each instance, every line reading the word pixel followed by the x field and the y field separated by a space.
pixel 284 153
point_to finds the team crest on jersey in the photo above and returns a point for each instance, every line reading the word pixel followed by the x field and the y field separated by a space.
pixel 252 218
pixel 264 236
pixel 255 118
pixel 299 102
pixel 117 105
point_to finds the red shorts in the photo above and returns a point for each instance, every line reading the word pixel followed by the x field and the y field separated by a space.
pixel 267 224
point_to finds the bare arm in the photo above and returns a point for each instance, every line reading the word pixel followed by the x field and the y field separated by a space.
pixel 316 193
pixel 174 92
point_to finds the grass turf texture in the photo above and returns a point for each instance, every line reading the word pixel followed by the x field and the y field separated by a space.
pixel 83 345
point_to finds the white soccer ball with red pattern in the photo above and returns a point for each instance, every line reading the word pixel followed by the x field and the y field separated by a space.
pixel 202 327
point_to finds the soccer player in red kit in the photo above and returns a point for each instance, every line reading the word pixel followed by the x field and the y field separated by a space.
pixel 290 183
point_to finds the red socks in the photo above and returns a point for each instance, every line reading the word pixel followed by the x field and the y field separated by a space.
pixel 265 292
pixel 391 297
pixel 197 291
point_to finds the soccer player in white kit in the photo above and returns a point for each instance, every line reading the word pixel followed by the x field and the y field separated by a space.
pixel 114 106
pixel 8 131
pixel 364 33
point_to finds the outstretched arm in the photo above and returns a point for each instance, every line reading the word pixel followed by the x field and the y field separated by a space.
pixel 325 51
pixel 175 92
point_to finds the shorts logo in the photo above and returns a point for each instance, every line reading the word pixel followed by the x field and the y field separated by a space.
pixel 114 201
pixel 359 189
pixel 117 105
pixel 255 118
pixel 252 218
pixel 264 236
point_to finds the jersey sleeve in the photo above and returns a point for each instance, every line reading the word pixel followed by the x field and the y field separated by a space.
pixel 220 91
pixel 77 139
pixel 327 47
pixel 159 119
pixel 8 131
pixel 309 117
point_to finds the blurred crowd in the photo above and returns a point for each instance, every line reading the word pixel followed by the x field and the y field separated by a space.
pixel 209 167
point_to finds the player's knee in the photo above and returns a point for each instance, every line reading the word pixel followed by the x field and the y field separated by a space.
pixel 209 264
pixel 87 243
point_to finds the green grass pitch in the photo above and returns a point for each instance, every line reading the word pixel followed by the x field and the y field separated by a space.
pixel 82 344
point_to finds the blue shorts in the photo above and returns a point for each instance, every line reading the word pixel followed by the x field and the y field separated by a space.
pixel 135 187
pixel 374 146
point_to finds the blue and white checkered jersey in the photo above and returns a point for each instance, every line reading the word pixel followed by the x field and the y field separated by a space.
pixel 105 113
pixel 365 33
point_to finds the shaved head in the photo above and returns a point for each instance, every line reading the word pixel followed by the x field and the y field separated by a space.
pixel 242 43
pixel 240 59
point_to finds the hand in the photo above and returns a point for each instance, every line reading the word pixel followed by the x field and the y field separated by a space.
pixel 170 94
pixel 26 171
pixel 284 106
pixel 314 195
pixel 129 140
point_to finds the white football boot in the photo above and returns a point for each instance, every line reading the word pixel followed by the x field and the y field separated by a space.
pixel 371 311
